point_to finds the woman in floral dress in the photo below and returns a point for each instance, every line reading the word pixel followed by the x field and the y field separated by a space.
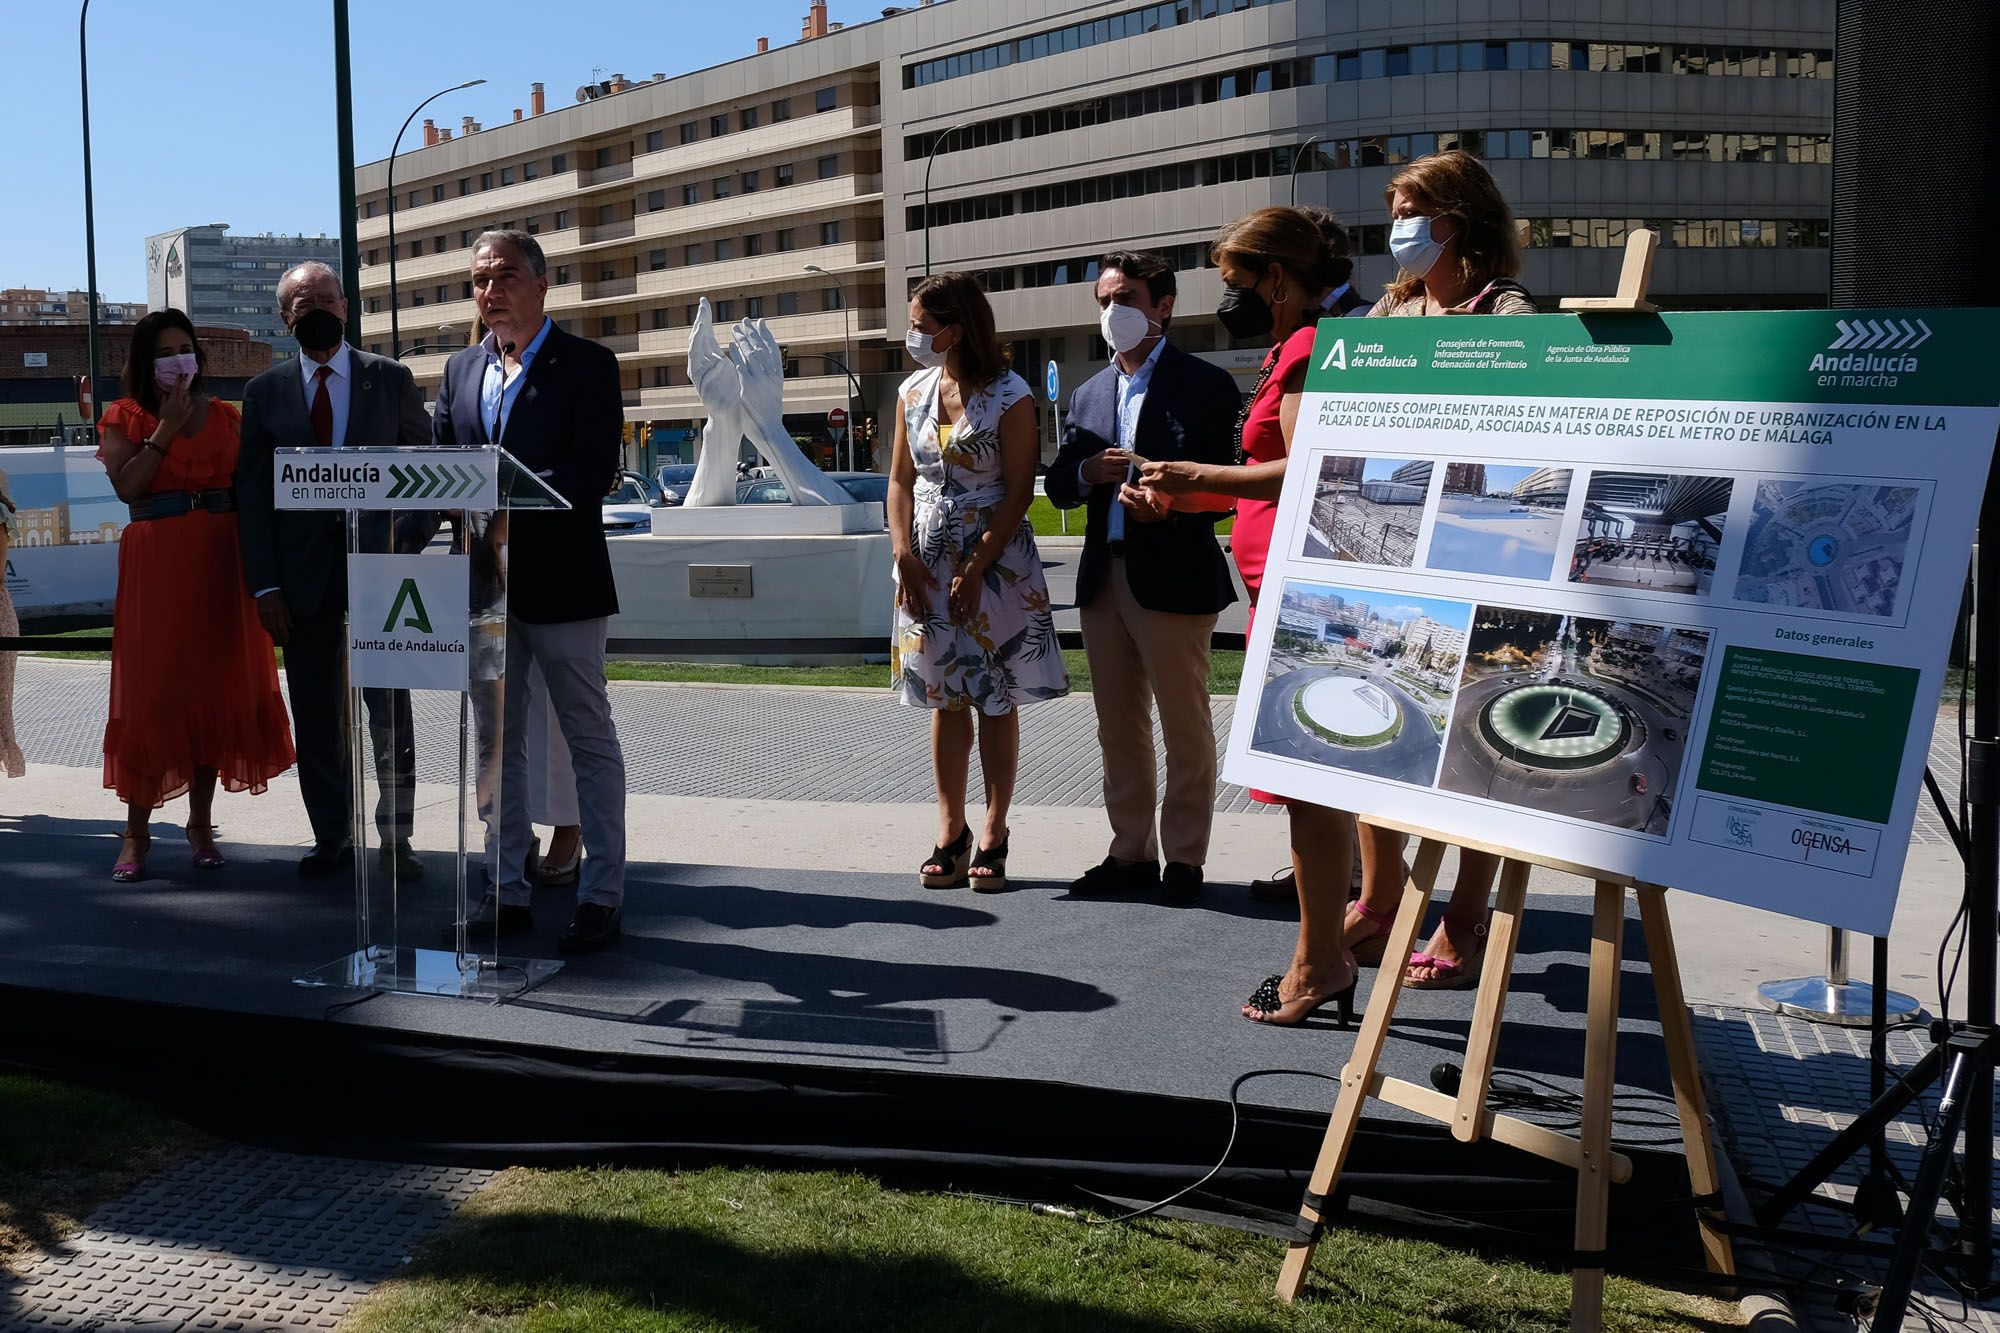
pixel 973 629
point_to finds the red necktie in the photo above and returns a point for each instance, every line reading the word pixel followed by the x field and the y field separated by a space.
pixel 322 409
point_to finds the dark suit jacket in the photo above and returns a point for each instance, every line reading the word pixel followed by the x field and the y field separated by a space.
pixel 1349 302
pixel 1189 413
pixel 567 423
pixel 304 553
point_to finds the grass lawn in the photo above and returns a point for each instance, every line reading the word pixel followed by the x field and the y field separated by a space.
pixel 1227 666
pixel 102 635
pixel 1048 520
pixel 64 1150
pixel 638 1251
pixel 1228 670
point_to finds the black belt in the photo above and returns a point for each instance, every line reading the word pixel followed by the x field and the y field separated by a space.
pixel 1116 548
pixel 172 504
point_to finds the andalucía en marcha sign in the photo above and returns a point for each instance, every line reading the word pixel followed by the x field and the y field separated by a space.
pixel 370 478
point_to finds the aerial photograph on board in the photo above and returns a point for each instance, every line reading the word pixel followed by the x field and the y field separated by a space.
pixel 1499 519
pixel 1368 510
pixel 1656 531
pixel 1827 546
pixel 1361 680
pixel 1576 716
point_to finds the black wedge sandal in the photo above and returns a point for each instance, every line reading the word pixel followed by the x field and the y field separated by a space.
pixel 995 860
pixel 952 858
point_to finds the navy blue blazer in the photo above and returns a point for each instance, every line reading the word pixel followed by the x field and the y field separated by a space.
pixel 567 423
pixel 1189 413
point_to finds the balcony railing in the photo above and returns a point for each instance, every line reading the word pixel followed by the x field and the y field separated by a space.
pixel 609 231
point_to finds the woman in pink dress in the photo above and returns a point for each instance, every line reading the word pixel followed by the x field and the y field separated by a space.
pixel 1277 265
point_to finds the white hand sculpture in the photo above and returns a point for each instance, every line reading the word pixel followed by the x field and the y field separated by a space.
pixel 762 370
pixel 719 382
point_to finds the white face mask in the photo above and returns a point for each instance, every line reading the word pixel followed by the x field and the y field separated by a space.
pixel 1411 243
pixel 918 345
pixel 169 371
pixel 1124 327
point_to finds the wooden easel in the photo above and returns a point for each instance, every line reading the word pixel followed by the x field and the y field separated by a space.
pixel 1470 1119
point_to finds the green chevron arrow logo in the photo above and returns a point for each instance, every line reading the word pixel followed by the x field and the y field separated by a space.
pixel 400 480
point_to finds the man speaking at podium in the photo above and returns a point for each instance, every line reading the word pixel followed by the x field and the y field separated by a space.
pixel 553 401
pixel 295 561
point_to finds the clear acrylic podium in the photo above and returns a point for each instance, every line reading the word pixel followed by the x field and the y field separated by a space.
pixel 427 540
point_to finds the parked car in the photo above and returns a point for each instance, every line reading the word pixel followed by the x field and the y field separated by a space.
pixel 628 507
pixel 673 480
pixel 863 486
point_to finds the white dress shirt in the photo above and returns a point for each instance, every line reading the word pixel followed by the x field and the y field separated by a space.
pixel 338 387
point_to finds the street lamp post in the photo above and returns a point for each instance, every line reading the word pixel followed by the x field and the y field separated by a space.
pixel 847 354
pixel 1298 157
pixel 935 145
pixel 446 332
pixel 395 324
pixel 89 208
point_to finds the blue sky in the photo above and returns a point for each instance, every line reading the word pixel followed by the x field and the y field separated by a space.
pixel 1391 604
pixel 1505 477
pixel 1378 469
pixel 222 110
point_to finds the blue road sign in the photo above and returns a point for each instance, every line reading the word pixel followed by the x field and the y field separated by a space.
pixel 1055 382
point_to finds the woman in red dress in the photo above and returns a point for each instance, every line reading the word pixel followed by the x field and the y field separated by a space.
pixel 1277 264
pixel 194 684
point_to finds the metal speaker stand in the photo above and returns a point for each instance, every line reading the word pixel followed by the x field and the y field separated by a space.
pixel 1835 998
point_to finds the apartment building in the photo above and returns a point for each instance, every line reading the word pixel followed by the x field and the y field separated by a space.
pixel 43 308
pixel 813 182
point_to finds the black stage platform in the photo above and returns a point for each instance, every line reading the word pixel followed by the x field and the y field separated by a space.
pixel 1025 1043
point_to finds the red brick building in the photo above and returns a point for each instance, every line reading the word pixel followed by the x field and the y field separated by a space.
pixel 39 368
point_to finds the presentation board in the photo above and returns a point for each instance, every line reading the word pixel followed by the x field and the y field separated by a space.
pixel 1667 595
pixel 65 559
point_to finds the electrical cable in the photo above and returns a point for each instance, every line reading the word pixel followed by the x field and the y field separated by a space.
pixel 1235 1123
pixel 1561 1100
pixel 342 1006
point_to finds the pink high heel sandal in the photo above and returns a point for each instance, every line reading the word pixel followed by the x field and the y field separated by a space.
pixel 130 872
pixel 1369 951
pixel 206 858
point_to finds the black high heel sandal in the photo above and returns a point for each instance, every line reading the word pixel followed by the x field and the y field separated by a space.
pixel 952 858
pixel 1265 1000
pixel 994 859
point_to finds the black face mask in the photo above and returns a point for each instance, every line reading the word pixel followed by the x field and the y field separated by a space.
pixel 1244 313
pixel 318 330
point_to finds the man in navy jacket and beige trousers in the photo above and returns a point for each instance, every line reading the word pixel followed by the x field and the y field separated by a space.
pixel 552 400
pixel 1151 581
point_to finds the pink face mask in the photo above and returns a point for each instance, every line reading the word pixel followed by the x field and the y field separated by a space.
pixel 169 371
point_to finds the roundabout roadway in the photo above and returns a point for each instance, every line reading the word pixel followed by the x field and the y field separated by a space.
pixel 1411 757
pixel 1602 794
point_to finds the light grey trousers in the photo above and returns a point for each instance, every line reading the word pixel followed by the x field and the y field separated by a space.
pixel 571 658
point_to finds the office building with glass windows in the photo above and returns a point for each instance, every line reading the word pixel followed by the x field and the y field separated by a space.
pixel 224 281
pixel 813 182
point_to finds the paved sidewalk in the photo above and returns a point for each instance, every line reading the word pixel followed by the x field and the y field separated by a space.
pixel 244 1239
